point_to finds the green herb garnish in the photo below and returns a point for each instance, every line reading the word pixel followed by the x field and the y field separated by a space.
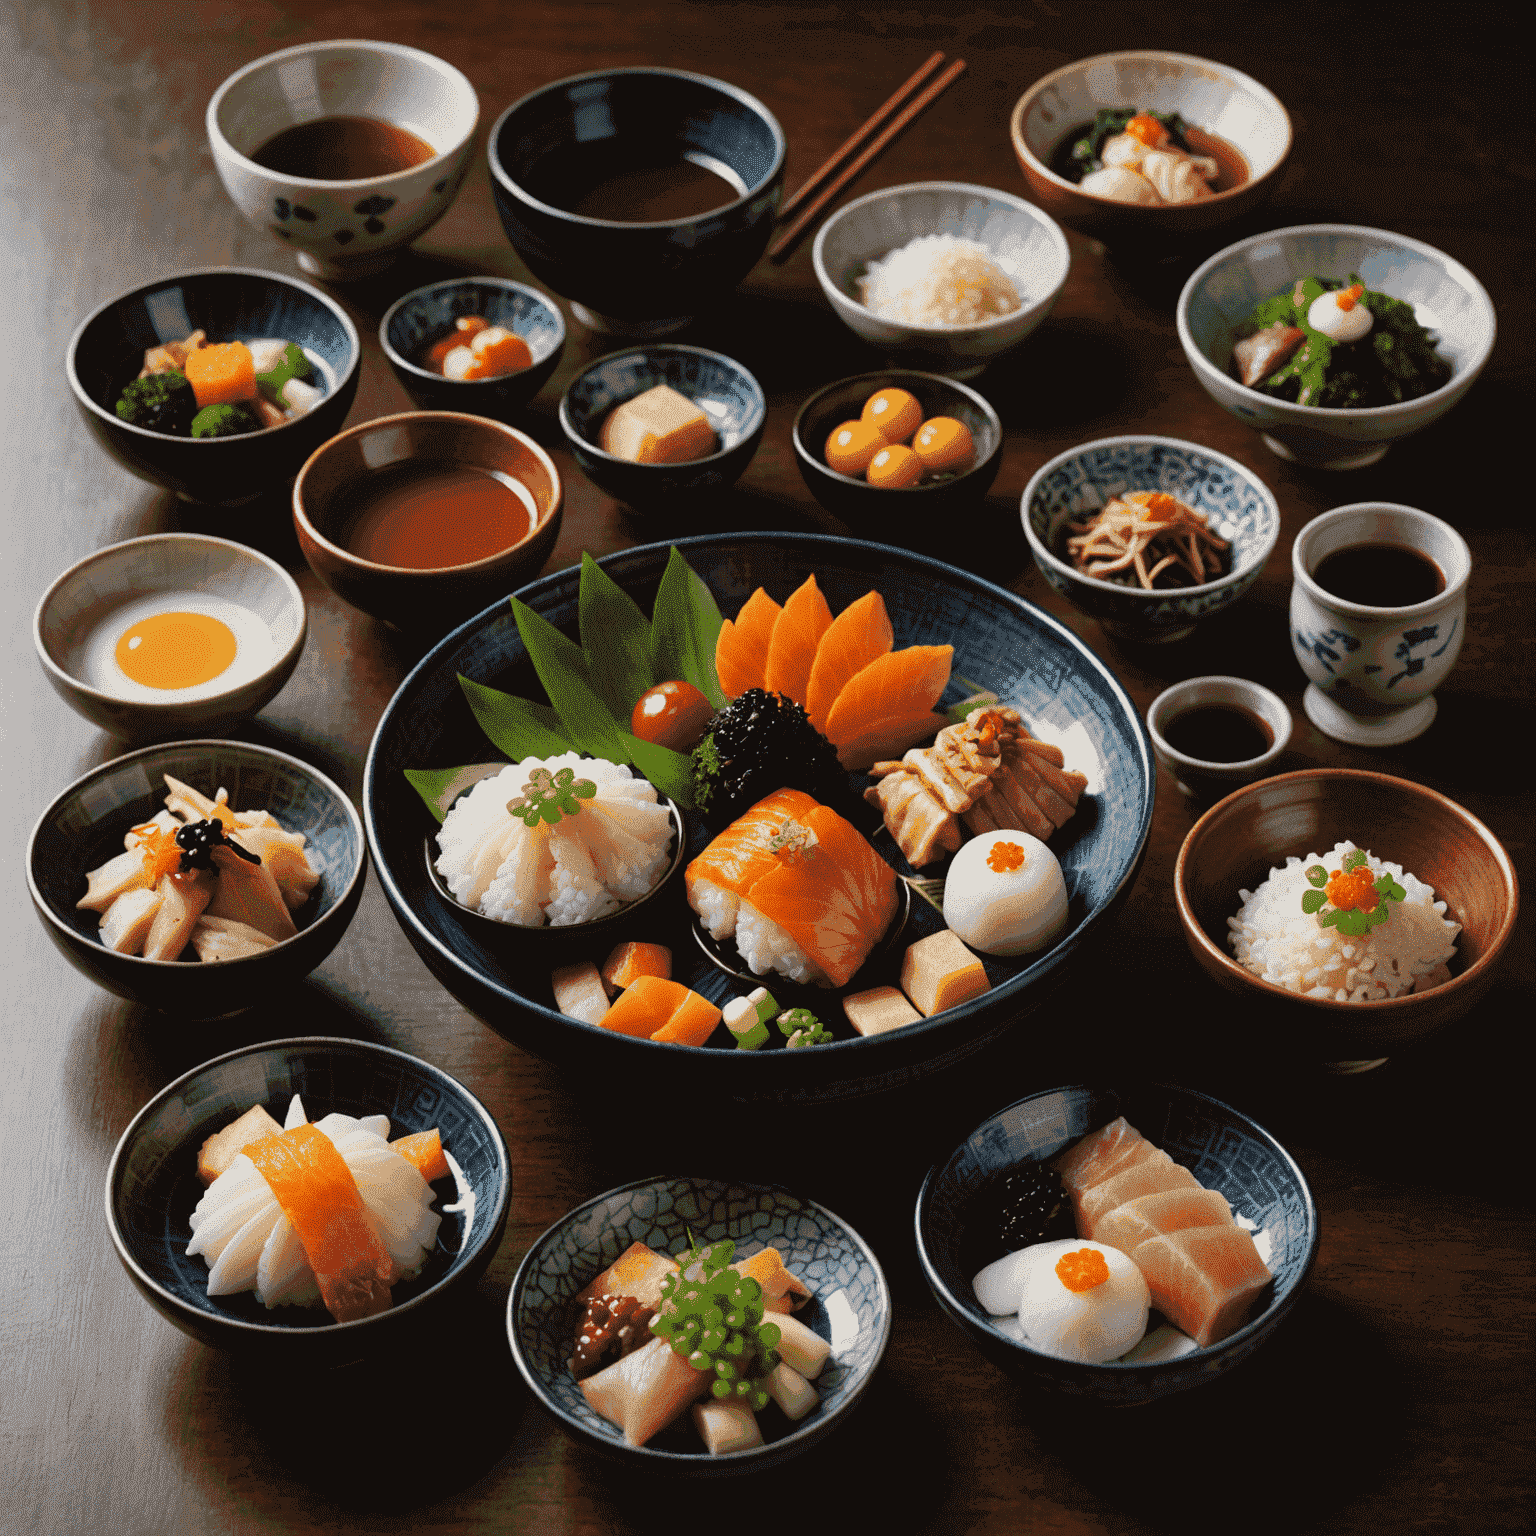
pixel 551 797
pixel 803 1028
pixel 1358 902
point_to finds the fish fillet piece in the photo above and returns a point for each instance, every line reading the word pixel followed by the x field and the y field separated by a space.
pixel 1150 1216
pixel 796 637
pixel 1150 1176
pixel 860 634
pixel 1204 1280
pixel 740 856
pixel 642 1392
pixel 1095 1157
pixel 1032 791
pixel 741 650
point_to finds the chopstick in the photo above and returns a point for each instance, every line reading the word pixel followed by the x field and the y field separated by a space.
pixel 792 236
pixel 870 125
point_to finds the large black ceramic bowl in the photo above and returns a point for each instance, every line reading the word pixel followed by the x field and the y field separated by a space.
pixel 1033 662
pixel 152 1189
pixel 727 394
pixel 548 149
pixel 85 825
pixel 230 304
pixel 1224 1150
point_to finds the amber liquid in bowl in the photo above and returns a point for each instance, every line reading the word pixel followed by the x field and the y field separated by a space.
pixel 429 516
pixel 1219 733
pixel 343 149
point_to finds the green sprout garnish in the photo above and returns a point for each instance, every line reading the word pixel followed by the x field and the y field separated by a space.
pixel 550 796
pixel 1359 903
pixel 802 1028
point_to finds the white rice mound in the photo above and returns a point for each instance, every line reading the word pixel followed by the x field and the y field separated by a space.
pixel 612 852
pixel 764 946
pixel 1280 943
pixel 939 280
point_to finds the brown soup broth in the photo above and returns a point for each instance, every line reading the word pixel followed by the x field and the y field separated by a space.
pixel 1231 167
pixel 1380 575
pixel 343 149
pixel 1219 733
pixel 428 516
pixel 602 180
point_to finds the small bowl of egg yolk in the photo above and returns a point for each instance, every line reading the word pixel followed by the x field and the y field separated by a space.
pixel 173 634
pixel 861 439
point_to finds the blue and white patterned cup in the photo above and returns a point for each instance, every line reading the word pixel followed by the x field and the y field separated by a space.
pixel 1373 670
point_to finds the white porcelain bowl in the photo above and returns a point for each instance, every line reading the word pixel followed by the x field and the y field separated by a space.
pixel 1027 244
pixel 1445 296
pixel 344 229
pixel 1198 776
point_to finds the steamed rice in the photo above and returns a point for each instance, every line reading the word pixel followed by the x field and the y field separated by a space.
pixel 763 945
pixel 1280 943
pixel 939 280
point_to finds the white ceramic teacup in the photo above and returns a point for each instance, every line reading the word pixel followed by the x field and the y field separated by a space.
pixel 344 229
pixel 1204 776
pixel 1373 669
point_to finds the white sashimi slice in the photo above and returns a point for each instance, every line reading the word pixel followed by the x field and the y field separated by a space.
pixel 295 1116
pixel 378 1124
pixel 227 1204
pixel 283 1273
pixel 235 1268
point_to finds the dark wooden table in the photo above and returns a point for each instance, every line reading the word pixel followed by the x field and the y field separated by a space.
pixel 1400 1394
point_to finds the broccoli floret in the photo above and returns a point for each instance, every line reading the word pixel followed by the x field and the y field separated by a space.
pixel 230 419
pixel 163 402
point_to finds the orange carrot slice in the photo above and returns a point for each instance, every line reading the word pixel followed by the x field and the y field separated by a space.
pixel 859 634
pixel 692 1023
pixel 742 648
pixel 424 1152
pixel 319 1196
pixel 797 633
pixel 645 1006
pixel 634 959
pixel 223 371
pixel 896 686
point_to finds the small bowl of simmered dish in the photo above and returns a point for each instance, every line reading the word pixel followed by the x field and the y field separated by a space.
pixel 485 345
pixel 663 426
pixel 424 518
pixel 1146 144
pixel 941 276
pixel 1334 340
pixel 346 150
pixel 1149 535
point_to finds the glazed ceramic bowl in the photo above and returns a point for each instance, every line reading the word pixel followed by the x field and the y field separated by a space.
pixel 425 315
pixel 85 826
pixel 81 617
pixel 152 1189
pixel 1034 663
pixel 1222 293
pixel 324 508
pixel 1026 243
pixel 1223 1149
pixel 726 393
pixel 850 1307
pixel 230 304
pixel 1214 98
pixel 1238 841
pixel 1237 504
pixel 922 514
pixel 643 276
pixel 344 229
pixel 1203 775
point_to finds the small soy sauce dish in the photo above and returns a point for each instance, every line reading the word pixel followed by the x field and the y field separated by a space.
pixel 1214 733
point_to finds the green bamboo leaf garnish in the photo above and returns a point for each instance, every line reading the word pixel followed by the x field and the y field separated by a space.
pixel 440 787
pixel 616 636
pixel 519 727
pixel 976 697
pixel 562 668
pixel 671 772
pixel 685 626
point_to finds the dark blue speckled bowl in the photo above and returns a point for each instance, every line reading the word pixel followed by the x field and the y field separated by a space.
pixel 230 304
pixel 152 1188
pixel 1224 1150
pixel 850 1307
pixel 1034 662
pixel 727 394
pixel 423 316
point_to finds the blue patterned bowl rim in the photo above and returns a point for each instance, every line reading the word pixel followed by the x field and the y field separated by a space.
pixel 537 298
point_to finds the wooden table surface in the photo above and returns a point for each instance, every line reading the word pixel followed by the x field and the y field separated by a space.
pixel 1399 1394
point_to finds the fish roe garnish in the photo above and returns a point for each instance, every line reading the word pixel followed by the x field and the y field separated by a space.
pixel 1004 858
pixel 1349 297
pixel 1147 128
pixel 1082 1271
pixel 1355 888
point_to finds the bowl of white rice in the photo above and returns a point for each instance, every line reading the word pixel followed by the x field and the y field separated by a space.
pixel 941 275
pixel 1241 878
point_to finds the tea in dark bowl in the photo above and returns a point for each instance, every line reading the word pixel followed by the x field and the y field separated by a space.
pixel 1380 575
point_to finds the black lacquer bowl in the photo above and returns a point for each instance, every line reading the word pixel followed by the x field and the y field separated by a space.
pixel 153 1188
pixel 1033 662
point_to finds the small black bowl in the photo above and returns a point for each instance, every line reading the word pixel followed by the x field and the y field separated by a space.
pixel 898 516
pixel 84 827
pixel 727 394
pixel 230 304
pixel 426 314
pixel 642 279
pixel 152 1189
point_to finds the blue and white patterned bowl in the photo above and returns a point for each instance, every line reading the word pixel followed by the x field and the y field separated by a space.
pixel 1224 1150
pixel 850 1306
pixel 725 391
pixel 1241 508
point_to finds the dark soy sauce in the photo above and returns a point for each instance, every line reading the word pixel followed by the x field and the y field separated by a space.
pixel 343 149
pixel 1219 733
pixel 1380 575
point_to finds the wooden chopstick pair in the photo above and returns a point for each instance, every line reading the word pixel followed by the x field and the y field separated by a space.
pixel 792 236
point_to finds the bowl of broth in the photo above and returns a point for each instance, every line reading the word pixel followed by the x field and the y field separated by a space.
pixel 642 195
pixel 1213 733
pixel 424 518
pixel 345 150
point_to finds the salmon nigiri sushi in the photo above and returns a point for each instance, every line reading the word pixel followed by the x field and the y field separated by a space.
pixel 798 887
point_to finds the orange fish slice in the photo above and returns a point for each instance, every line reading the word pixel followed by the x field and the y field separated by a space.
pixel 424 1152
pixel 742 648
pixel 797 633
pixel 318 1194
pixel 860 633
pixel 740 856
pixel 895 686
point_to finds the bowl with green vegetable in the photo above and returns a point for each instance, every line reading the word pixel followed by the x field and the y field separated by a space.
pixel 1335 340
pixel 217 383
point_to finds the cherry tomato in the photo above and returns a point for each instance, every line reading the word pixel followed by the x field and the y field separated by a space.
pixel 671 715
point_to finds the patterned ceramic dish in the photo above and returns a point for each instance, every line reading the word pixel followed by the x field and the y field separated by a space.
pixel 1222 294
pixel 152 1189
pixel 726 393
pixel 850 1307
pixel 422 316
pixel 1224 1150
pixel 1239 506
pixel 1032 661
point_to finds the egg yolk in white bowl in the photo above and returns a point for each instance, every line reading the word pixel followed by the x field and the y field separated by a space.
pixel 170 646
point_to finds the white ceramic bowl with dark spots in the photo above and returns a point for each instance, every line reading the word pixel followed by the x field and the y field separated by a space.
pixel 850 1307
pixel 1238 506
